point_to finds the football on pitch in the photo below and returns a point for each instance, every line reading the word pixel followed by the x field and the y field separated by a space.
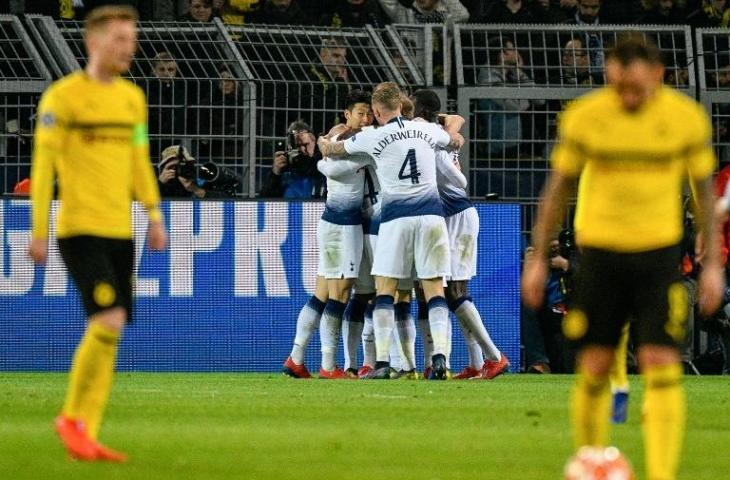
pixel 598 463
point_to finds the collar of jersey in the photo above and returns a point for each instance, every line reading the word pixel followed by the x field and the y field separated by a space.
pixel 396 119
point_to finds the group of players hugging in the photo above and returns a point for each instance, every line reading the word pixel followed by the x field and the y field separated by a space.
pixel 397 215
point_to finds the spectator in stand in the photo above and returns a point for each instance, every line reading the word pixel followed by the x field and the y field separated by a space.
pixel 501 117
pixel 166 98
pixel 587 13
pixel 661 12
pixel 544 11
pixel 425 11
pixel 221 123
pixel 199 11
pixel 328 83
pixel 711 13
pixel 235 12
pixel 504 11
pixel 294 172
pixel 281 12
pixel 355 13
pixel 575 64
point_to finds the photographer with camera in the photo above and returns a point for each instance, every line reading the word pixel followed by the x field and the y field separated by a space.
pixel 179 176
pixel 294 173
pixel 546 349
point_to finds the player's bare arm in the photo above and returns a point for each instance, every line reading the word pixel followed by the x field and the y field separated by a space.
pixel 712 277
pixel 457 141
pixel 331 149
pixel 451 123
pixel 549 214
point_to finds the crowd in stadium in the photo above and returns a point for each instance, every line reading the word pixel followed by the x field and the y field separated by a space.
pixel 357 13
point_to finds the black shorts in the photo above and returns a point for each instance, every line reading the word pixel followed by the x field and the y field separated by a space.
pixel 102 270
pixel 614 287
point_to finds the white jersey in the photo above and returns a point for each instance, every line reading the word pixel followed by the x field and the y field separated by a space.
pixel 346 185
pixel 451 183
pixel 371 202
pixel 404 154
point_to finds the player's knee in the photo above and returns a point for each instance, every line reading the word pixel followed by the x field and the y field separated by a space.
pixel 596 360
pixel 657 355
pixel 114 318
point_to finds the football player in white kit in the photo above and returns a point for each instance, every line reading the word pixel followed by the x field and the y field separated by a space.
pixel 340 233
pixel 339 238
pixel 462 222
pixel 412 229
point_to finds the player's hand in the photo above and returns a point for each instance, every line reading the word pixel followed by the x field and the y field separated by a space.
pixel 188 184
pixel 558 262
pixel 337 130
pixel 166 175
pixel 322 143
pixel 711 288
pixel 534 276
pixel 457 141
pixel 280 163
pixel 38 250
pixel 156 236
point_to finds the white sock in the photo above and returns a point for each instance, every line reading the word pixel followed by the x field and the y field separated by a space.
pixel 476 360
pixel 438 319
pixel 329 333
pixel 396 352
pixel 469 316
pixel 449 334
pixel 307 322
pixel 368 339
pixel 427 341
pixel 406 334
pixel 352 328
pixel 383 325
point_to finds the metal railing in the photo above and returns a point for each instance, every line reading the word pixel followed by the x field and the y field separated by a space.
pixel 229 92
pixel 23 76
pixel 305 73
pixel 198 89
pixel 713 63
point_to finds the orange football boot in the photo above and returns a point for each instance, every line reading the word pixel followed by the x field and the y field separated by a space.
pixel 293 370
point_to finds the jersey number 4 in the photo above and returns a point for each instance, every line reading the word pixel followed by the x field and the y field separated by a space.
pixel 412 165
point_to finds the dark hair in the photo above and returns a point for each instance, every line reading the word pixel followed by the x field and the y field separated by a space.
pixel 635 47
pixel 495 47
pixel 356 96
pixel 426 104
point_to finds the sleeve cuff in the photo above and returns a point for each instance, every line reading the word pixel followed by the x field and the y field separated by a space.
pixel 154 214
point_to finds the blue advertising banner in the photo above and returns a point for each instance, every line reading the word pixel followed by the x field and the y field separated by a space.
pixel 225 294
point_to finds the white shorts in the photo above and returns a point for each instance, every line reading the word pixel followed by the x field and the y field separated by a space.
pixel 463 229
pixel 406 242
pixel 340 250
pixel 365 283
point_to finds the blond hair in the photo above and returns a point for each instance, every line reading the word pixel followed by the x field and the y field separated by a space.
pixel 388 95
pixel 406 106
pixel 100 17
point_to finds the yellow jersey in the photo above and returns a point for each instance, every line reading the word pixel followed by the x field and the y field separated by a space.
pixel 632 166
pixel 92 136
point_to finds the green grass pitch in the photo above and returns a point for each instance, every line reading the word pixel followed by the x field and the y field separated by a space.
pixel 253 426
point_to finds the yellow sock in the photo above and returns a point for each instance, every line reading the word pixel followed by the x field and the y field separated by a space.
pixel 664 417
pixel 90 379
pixel 619 377
pixel 591 408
